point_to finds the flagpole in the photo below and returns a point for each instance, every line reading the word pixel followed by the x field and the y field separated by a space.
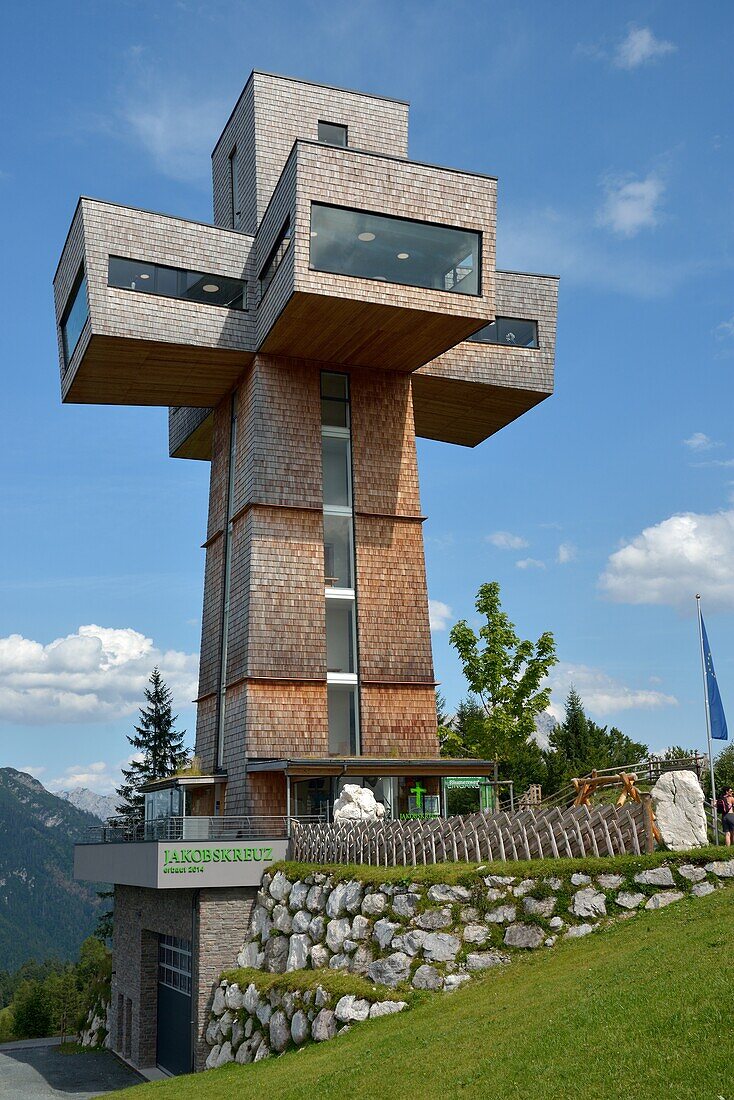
pixel 714 814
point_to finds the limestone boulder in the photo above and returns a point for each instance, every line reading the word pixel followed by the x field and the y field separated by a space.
pixel 701 889
pixel 434 919
pixel 427 977
pixel 299 1027
pixel 374 905
pixel 350 1008
pixel 678 802
pixel 324 1026
pixel 280 887
pixel 589 902
pixel 440 947
pixel 442 893
pixel 484 960
pixel 390 971
pixel 722 868
pixel 337 931
pixel 656 876
pixel 629 900
pixel 276 954
pixel 357 803
pixel 524 935
pixel 386 1008
pixel 299 947
pixel 666 897
pixel 280 1032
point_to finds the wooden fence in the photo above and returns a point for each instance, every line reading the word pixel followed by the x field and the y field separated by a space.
pixel 528 834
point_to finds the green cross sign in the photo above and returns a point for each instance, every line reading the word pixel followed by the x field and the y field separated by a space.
pixel 418 791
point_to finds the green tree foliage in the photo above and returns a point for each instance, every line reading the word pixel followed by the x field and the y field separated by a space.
pixel 31 1010
pixel 65 1000
pixel 578 745
pixel 504 673
pixel 104 928
pixel 158 746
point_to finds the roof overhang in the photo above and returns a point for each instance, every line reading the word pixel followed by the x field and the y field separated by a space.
pixel 307 767
pixel 183 781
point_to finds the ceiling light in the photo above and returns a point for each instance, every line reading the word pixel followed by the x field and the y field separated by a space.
pixel 403 255
pixel 210 288
pixel 366 236
pixel 314 233
pixel 143 276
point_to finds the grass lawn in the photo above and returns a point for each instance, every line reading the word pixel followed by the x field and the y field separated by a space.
pixel 643 1009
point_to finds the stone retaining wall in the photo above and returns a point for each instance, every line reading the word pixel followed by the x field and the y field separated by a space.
pixel 410 936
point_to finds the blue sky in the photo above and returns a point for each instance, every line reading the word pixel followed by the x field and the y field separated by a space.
pixel 601 512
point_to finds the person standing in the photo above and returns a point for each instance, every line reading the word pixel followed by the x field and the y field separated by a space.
pixel 725 806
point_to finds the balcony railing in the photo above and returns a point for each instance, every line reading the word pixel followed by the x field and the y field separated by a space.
pixel 125 830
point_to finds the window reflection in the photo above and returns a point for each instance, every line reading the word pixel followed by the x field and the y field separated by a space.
pixel 75 316
pixel 510 331
pixel 176 282
pixel 395 250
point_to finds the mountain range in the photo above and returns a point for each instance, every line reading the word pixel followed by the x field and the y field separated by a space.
pixel 43 911
pixel 101 805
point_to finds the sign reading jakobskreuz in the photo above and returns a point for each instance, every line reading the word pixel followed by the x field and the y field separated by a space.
pixel 182 861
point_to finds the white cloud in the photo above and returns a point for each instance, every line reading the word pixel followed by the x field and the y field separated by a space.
pixel 505 540
pixel 96 674
pixel 699 441
pixel 529 563
pixel 725 331
pixel 601 694
pixel 440 614
pixel 631 204
pixel 566 552
pixel 178 132
pixel 671 561
pixel 98 776
pixel 639 47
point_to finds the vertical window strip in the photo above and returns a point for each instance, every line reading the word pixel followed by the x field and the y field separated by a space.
pixel 222 701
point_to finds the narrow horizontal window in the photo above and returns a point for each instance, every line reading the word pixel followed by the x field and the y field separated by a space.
pixel 275 258
pixel 75 315
pixel 395 250
pixel 510 331
pixel 177 282
pixel 331 133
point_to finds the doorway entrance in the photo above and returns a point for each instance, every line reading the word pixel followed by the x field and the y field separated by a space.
pixel 173 1015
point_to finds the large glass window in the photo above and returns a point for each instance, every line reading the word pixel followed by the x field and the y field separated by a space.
pixel 177 282
pixel 510 331
pixel 275 258
pixel 395 250
pixel 342 706
pixel 234 188
pixel 336 471
pixel 75 316
pixel 174 963
pixel 338 551
pixel 340 636
pixel 331 133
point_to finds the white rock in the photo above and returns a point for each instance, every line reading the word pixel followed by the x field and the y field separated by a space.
pixel 339 961
pixel 353 897
pixel 434 919
pixel 554 883
pixel 243 1057
pixel 579 930
pixel 386 1008
pixel 499 880
pixel 251 956
pixel 298 895
pixel 483 960
pixel 577 879
pixel 470 915
pixel 299 947
pixel 691 872
pixel 225 1055
pixel 280 1032
pixel 276 954
pixel 522 889
pixel 211 1061
pixel 252 999
pixel 212 1032
pixel 453 981
pixel 390 971
pixel 555 923
pixel 701 889
pixel 550 941
pixel 427 977
pixel 384 931
pixel 350 1008
pixel 225 1024
pixel 317 928
pixel 680 815
pixel 238 1033
pixel 301 921
pixel 659 901
pixel 336 904
pixel 322 998
pixel 219 1003
pixel 524 935
pixel 539 907
pixel 724 868
pixel 263 1012
pixel 609 882
pixel 361 959
pixel 262 1052
pixel 357 803
pixel 299 1027
pixel 282 920
pixel 411 942
pixel 324 1026
pixel 656 876
pixel 374 905
pixel 315 899
pixel 405 905
pixel 493 894
pixel 503 914
pixel 476 933
pixel 319 956
pixel 629 900
pixel 337 931
pixel 440 947
pixel 360 927
pixel 442 893
pixel 280 887
pixel 589 903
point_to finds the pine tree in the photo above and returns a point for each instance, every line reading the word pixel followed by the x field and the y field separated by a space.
pixel 158 745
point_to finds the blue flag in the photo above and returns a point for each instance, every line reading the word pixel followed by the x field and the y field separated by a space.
pixel 716 707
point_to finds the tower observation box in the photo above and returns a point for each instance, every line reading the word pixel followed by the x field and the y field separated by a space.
pixel 344 301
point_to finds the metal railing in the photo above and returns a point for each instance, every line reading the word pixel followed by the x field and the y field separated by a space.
pixel 125 830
